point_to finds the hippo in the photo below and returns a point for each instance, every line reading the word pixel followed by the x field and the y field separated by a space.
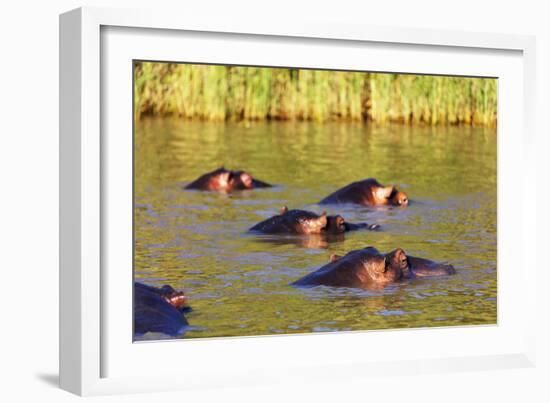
pixel 159 310
pixel 369 269
pixel 302 222
pixel 226 181
pixel 367 192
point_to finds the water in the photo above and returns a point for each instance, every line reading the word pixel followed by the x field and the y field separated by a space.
pixel 238 283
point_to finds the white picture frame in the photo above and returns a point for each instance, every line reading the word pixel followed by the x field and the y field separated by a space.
pixel 87 179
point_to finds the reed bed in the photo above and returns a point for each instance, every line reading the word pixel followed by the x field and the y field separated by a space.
pixel 235 93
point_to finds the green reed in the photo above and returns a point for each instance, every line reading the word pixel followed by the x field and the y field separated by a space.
pixel 235 93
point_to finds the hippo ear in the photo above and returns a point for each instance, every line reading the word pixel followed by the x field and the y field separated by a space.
pixel 323 219
pixel 283 210
pixel 224 177
pixel 334 258
pixel 397 259
pixel 383 266
pixel 400 258
pixel 384 192
pixel 246 179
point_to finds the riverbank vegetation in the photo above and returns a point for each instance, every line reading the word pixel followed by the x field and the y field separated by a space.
pixel 236 93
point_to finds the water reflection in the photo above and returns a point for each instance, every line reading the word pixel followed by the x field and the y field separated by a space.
pixel 314 241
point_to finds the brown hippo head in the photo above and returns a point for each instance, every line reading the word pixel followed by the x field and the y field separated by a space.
pixel 363 268
pixel 335 225
pixel 301 222
pixel 387 268
pixel 217 180
pixel 240 180
pixel 175 298
pixel 390 195
pixel 399 260
pixel 224 180
pixel 228 181
pixel 399 198
pixel 369 269
pixel 313 225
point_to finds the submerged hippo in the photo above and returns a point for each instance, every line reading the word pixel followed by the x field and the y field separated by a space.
pixel 368 192
pixel 159 310
pixel 367 268
pixel 223 180
pixel 304 222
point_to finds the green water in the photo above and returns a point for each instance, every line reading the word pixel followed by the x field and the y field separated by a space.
pixel 237 282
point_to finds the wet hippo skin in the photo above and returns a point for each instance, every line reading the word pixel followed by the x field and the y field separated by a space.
pixel 367 192
pixel 304 222
pixel 425 268
pixel 223 180
pixel 159 310
pixel 369 269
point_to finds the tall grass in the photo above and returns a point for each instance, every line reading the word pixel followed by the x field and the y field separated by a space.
pixel 219 93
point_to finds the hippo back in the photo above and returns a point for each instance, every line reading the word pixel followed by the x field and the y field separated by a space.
pixel 346 271
pixel 292 222
pixel 360 192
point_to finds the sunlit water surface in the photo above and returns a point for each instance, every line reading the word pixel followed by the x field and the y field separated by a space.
pixel 238 283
